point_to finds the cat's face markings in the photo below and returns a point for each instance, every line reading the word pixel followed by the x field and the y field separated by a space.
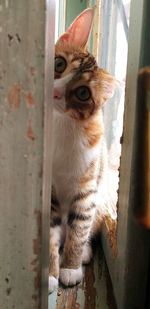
pixel 73 93
pixel 80 87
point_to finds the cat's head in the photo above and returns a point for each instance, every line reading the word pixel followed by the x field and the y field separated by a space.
pixel 80 86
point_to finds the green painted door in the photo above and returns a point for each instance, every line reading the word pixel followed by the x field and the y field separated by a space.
pixel 128 253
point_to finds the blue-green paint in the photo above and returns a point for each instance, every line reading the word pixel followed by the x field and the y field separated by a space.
pixel 52 300
pixel 73 9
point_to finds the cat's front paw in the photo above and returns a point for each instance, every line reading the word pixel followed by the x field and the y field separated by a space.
pixel 70 277
pixel 52 284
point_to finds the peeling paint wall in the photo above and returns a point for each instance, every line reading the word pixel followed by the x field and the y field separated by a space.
pixel 22 54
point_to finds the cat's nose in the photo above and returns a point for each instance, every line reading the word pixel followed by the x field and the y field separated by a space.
pixel 57 94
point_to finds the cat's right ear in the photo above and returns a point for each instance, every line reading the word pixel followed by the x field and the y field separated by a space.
pixel 79 31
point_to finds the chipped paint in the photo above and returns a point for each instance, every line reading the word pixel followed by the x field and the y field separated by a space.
pixel 10 39
pixel 36 262
pixel 8 291
pixel 67 298
pixel 30 101
pixel 36 246
pixel 21 143
pixel 110 228
pixel 37 279
pixel 94 292
pixel 37 242
pixel 30 133
pixel 18 38
pixel 13 39
pixel 90 290
pixel 14 96
pixel 38 215
pixel 32 71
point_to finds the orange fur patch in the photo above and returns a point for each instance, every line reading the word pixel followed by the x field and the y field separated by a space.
pixel 93 130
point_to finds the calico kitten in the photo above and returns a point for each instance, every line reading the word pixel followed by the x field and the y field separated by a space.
pixel 79 153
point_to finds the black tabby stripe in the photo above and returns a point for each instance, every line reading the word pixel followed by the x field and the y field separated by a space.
pixel 82 195
pixel 53 208
pixel 91 206
pixel 54 201
pixel 76 216
pixel 74 226
pixel 56 222
pixel 88 64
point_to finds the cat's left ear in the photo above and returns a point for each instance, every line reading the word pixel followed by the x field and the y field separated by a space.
pixel 79 31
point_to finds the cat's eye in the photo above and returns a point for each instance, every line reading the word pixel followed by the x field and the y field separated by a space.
pixel 83 93
pixel 60 64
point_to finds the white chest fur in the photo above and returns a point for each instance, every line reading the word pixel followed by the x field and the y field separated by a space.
pixel 71 156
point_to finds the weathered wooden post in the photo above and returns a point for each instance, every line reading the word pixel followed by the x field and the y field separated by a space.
pixel 26 77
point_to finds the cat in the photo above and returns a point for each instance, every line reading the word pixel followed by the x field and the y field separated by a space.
pixel 79 152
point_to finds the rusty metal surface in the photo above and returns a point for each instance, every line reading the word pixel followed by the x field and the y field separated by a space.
pixel 22 36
